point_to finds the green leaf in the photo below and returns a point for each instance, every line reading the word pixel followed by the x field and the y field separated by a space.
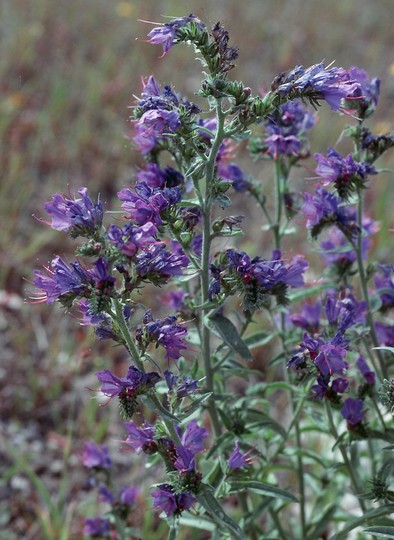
pixel 262 488
pixel 374 513
pixel 197 522
pixel 382 532
pixel 259 339
pixel 391 349
pixel 307 292
pixel 195 405
pixel 226 330
pixel 320 521
pixel 158 407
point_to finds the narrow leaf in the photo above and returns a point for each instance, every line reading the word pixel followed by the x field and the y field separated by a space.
pixel 259 339
pixel 226 330
pixel 376 512
pixel 263 489
pixel 381 532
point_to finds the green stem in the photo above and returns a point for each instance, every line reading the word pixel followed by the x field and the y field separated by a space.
pixel 346 460
pixel 206 250
pixel 278 183
pixel 133 350
pixel 363 282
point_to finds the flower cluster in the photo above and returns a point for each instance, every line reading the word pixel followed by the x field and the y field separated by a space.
pixel 256 279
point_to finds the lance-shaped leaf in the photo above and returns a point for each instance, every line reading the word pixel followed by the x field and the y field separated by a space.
pixel 226 330
pixel 381 532
pixel 371 514
pixel 263 488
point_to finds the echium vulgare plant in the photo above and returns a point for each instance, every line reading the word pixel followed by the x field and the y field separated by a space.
pixel 306 452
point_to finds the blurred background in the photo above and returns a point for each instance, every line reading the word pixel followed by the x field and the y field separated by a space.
pixel 69 70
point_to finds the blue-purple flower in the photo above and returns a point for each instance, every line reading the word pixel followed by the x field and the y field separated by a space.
pixel 384 283
pixel 364 99
pixel 324 209
pixel 81 217
pixel 165 35
pixel 95 456
pixel 140 438
pixel 163 332
pixel 365 370
pixel 129 239
pixel 173 504
pixel 238 459
pixel 127 388
pixel 345 174
pixel 315 83
pixel 352 412
pixel 182 386
pixel 97 527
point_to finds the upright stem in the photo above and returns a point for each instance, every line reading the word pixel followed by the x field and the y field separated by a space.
pixel 348 463
pixel 363 282
pixel 205 262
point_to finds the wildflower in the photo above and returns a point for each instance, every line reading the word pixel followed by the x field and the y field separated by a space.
pixel 173 504
pixel 308 318
pixel 184 386
pixel 345 173
pixel 130 239
pixel 97 527
pixel 158 265
pixel 384 283
pixel 164 332
pixel 325 209
pixel 365 370
pixel 235 174
pixel 280 145
pixel 95 456
pixel 365 97
pixel 165 35
pixel 127 388
pixel 106 495
pixel 315 83
pixel 62 282
pixel 291 118
pixel 81 217
pixel 147 204
pixel 141 439
pixel 128 495
pixel 330 359
pixel 352 412
pixel 238 459
pixel 385 334
pixel 193 437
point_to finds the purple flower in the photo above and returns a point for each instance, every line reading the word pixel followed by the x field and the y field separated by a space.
pixel 235 174
pixel 158 265
pixel 308 318
pixel 340 385
pixel 62 282
pixel 291 118
pixel 325 209
pixel 147 204
pixel 185 460
pixel 384 283
pixel 330 360
pixel 385 334
pixel 193 437
pixel 365 97
pixel 128 495
pixel 164 332
pixel 280 145
pixel 135 382
pixel 81 216
pixel 315 83
pixel 95 456
pixel 352 411
pixel 130 239
pixel 185 386
pixel 166 35
pixel 238 459
pixel 97 527
pixel 365 370
pixel 141 439
pixel 106 495
pixel 345 173
pixel 170 502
